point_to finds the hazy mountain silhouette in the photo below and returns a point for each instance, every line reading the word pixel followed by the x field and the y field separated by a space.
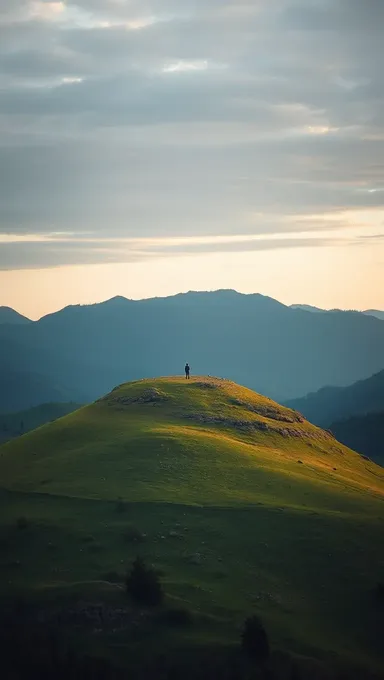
pixel 310 308
pixel 19 422
pixel 331 404
pixel 375 312
pixel 252 339
pixel 364 434
pixel 9 315
pixel 24 389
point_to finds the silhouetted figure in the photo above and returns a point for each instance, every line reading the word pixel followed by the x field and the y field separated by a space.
pixel 187 370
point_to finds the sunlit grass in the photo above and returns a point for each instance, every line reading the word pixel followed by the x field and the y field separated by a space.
pixel 298 542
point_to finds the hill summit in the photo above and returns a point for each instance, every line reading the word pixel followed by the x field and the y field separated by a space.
pixel 204 441
pixel 240 503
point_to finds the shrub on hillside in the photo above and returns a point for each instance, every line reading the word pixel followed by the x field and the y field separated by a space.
pixel 113 577
pixel 179 617
pixel 143 584
pixel 254 639
pixel 133 535
pixel 120 506
pixel 95 547
pixel 22 523
pixel 88 538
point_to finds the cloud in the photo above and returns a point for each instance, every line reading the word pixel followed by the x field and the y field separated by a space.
pixel 47 10
pixel 165 118
pixel 38 253
pixel 341 16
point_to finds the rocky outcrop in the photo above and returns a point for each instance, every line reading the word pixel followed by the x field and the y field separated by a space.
pixel 151 395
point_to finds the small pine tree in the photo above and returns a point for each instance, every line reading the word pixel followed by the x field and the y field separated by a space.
pixel 254 639
pixel 143 584
pixel 22 523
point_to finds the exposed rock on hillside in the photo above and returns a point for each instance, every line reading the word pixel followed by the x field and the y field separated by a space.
pixel 150 395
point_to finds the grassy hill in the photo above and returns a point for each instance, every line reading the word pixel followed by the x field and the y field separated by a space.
pixel 241 504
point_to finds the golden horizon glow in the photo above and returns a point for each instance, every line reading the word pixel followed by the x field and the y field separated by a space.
pixel 346 277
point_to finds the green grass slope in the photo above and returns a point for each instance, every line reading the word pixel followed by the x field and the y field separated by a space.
pixel 242 504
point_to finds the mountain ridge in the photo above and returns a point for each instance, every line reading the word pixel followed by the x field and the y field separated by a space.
pixel 8 315
pixel 15 424
pixel 379 314
pixel 375 312
pixel 253 340
pixel 363 433
pixel 332 403
pixel 189 297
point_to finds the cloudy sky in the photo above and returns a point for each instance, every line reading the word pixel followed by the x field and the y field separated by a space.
pixel 155 146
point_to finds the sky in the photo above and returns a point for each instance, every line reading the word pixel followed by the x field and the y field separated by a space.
pixel 149 147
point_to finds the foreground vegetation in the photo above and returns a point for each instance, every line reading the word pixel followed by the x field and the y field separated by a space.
pixel 238 505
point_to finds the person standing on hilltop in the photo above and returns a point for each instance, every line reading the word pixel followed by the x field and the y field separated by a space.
pixel 187 370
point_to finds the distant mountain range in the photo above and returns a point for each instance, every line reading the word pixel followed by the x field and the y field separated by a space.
pixel 310 308
pixel 330 404
pixel 375 312
pixel 15 424
pixel 364 434
pixel 21 389
pixel 9 315
pixel 82 352
pixel 355 414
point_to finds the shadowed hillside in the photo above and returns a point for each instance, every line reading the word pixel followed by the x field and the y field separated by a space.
pixel 364 434
pixel 334 403
pixel 15 424
pixel 240 504
pixel 21 390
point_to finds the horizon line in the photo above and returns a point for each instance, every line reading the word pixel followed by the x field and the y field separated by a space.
pixel 189 292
